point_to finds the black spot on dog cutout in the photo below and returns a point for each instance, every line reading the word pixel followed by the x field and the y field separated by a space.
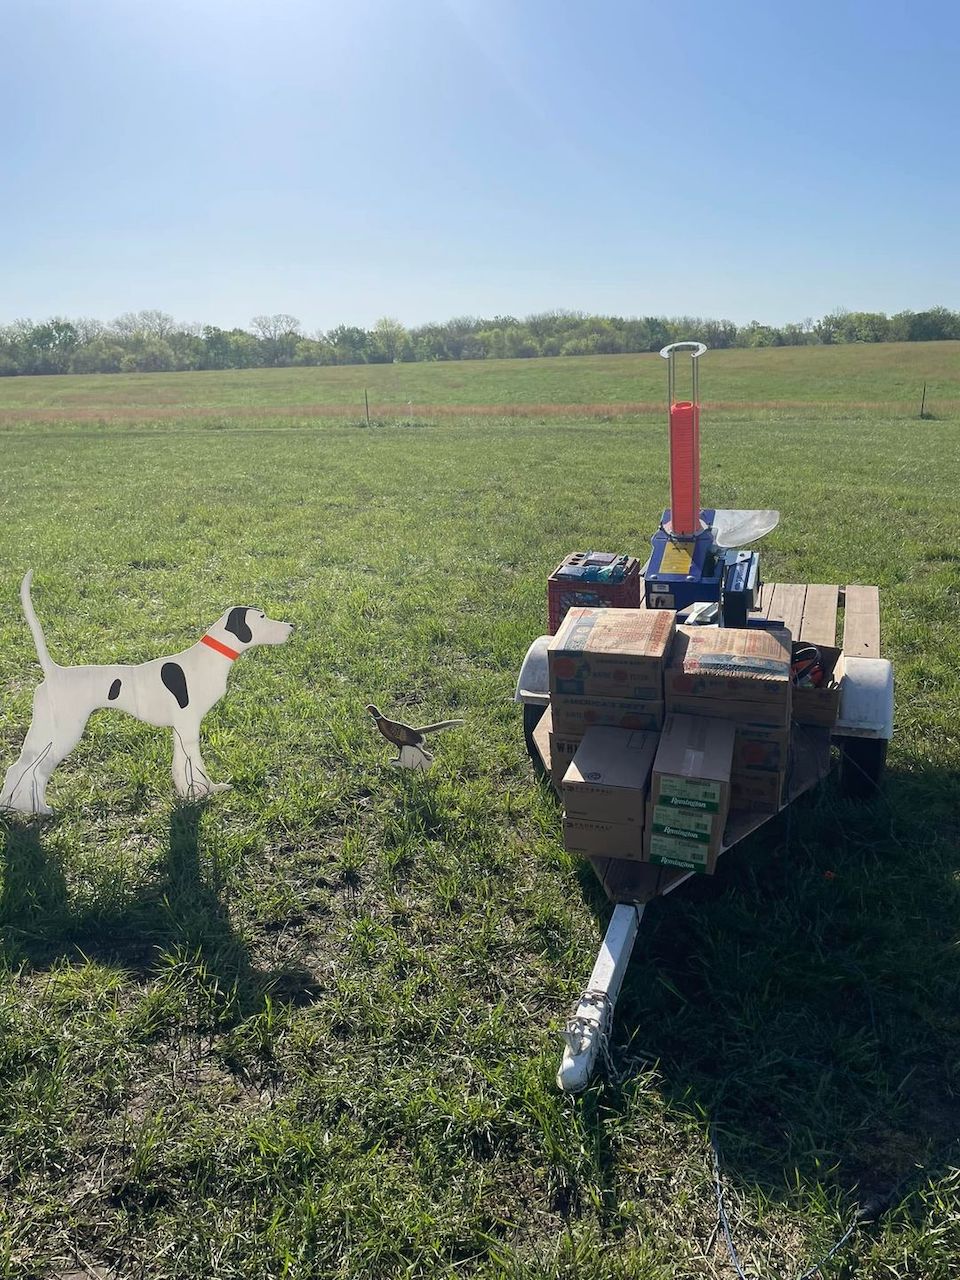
pixel 236 624
pixel 115 688
pixel 171 673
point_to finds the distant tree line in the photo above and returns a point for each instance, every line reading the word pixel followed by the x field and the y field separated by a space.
pixel 153 342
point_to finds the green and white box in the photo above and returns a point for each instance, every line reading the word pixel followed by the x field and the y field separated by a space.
pixel 688 855
pixel 690 792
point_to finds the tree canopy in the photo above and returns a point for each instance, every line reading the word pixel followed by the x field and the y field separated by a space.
pixel 153 342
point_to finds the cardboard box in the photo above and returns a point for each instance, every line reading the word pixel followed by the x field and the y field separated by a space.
pixel 555 752
pixel 562 751
pixel 821 706
pixel 758 747
pixel 748 666
pixel 609 777
pixel 690 793
pixel 671 851
pixel 568 587
pixel 693 765
pixel 775 715
pixel 603 839
pixel 611 653
pixel 685 824
pixel 757 792
pixel 541 739
pixel 572 717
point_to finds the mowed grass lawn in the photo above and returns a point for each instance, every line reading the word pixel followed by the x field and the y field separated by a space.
pixel 311 1028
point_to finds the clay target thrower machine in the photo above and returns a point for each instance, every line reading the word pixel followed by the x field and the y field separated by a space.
pixel 695 558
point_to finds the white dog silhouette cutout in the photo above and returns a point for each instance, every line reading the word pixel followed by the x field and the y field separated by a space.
pixel 175 692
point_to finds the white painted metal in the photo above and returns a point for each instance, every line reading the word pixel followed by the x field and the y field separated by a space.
pixel 587 1030
pixel 67 697
pixel 866 699
pixel 696 349
pixel 533 683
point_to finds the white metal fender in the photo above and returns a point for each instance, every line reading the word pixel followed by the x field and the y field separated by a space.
pixel 533 683
pixel 866 699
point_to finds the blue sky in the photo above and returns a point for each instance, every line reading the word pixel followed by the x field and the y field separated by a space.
pixel 342 161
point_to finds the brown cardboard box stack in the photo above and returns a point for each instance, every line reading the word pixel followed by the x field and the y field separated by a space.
pixel 690 793
pixel 630 791
pixel 605 792
pixel 820 706
pixel 606 706
pixel 741 676
pixel 606 669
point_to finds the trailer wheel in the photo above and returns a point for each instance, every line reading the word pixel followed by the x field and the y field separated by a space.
pixel 532 715
pixel 862 761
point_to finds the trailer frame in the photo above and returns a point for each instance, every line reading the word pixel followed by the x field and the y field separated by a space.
pixel 862 731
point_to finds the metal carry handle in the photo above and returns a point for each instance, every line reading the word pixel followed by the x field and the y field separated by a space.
pixel 695 351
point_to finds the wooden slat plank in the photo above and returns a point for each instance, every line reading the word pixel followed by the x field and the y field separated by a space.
pixel 600 866
pixel 787 604
pixel 628 881
pixel 819 625
pixel 861 622
pixel 766 599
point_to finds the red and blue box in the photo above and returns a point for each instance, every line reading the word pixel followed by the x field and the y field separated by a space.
pixel 593 580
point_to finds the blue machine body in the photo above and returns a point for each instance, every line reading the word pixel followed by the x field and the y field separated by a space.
pixel 686 571
pixel 683 571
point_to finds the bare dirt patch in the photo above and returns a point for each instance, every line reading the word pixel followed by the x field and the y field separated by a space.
pixel 164 412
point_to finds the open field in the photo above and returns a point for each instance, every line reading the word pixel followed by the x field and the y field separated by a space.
pixel 888 377
pixel 311 1028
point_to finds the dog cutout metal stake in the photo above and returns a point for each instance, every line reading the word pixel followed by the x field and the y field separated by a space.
pixel 174 692
pixel 409 741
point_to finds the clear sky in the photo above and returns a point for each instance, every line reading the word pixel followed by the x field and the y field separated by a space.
pixel 429 158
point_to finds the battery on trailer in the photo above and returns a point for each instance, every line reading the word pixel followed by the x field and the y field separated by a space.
pixel 593 579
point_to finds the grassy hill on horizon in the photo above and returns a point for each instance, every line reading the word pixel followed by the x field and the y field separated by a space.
pixel 868 376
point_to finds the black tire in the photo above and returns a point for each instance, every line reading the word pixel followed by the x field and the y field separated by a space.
pixel 532 715
pixel 862 762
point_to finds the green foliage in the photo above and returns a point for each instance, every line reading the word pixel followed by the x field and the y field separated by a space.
pixel 278 337
pixel 152 342
pixel 348 343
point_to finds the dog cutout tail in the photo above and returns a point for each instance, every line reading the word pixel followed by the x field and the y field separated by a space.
pixel 33 622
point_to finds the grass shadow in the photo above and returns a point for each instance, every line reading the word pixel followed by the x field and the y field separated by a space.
pixel 803 1001
pixel 34 889
pixel 182 912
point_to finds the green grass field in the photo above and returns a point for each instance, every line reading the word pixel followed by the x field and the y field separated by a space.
pixel 883 377
pixel 311 1028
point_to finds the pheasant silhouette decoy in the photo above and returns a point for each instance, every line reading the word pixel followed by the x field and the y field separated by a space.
pixel 411 753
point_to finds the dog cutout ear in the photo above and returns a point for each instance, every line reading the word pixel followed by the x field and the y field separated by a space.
pixel 236 624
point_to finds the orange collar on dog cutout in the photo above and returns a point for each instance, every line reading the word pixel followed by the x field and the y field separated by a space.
pixel 220 647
